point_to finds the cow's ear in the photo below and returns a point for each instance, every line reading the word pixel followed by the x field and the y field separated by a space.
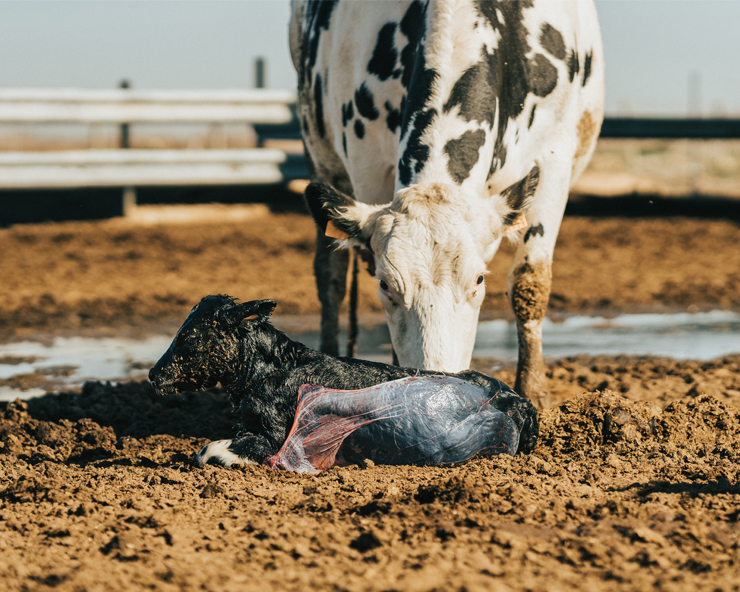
pixel 340 217
pixel 248 315
pixel 519 197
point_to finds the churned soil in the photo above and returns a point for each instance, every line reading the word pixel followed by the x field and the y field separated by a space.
pixel 633 484
pixel 97 492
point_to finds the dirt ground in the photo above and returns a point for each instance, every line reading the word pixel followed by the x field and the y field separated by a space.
pixel 633 484
pixel 139 274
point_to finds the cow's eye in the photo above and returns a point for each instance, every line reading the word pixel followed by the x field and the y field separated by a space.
pixel 384 285
pixel 479 281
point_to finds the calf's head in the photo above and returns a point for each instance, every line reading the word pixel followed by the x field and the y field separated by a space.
pixel 431 246
pixel 206 347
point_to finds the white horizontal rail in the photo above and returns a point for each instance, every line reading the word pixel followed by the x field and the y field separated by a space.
pixel 117 168
pixel 18 105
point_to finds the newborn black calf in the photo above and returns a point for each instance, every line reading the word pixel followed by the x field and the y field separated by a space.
pixel 262 370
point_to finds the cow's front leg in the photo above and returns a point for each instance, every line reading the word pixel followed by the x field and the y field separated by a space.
pixel 530 278
pixel 529 292
pixel 330 268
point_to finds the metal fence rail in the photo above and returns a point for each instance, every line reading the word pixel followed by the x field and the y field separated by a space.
pixel 670 128
pixel 270 112
pixel 130 168
pixel 19 105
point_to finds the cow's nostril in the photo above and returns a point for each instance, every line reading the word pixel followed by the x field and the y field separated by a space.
pixel 152 375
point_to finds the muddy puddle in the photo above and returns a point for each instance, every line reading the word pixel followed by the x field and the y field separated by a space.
pixel 31 368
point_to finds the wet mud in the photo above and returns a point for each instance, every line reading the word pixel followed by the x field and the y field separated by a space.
pixel 633 484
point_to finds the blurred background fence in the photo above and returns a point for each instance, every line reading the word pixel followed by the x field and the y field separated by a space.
pixel 250 137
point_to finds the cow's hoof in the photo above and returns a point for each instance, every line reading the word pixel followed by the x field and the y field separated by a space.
pixel 218 453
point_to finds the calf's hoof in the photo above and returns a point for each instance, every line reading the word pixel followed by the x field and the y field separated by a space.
pixel 218 453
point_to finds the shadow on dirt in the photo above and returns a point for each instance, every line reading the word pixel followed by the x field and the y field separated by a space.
pixel 720 486
pixel 59 205
pixel 654 206
pixel 134 410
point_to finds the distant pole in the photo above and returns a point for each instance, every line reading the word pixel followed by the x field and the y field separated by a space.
pixel 259 72
pixel 125 143
pixel 694 167
pixel 694 94
pixel 128 202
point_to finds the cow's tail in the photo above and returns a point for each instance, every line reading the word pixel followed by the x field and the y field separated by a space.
pixel 353 289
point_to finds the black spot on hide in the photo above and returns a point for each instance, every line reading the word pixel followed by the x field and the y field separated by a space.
pixel 359 129
pixel 384 57
pixel 416 154
pixel 393 119
pixel 348 112
pixel 416 77
pixel 538 230
pixel 318 100
pixel 344 143
pixel 544 76
pixel 318 17
pixel 552 41
pixel 475 91
pixel 512 66
pixel 365 103
pixel 413 25
pixel 587 66
pixel 419 80
pixel 463 154
pixel 519 195
pixel 573 65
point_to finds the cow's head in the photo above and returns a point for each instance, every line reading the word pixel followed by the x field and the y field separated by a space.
pixel 205 349
pixel 431 245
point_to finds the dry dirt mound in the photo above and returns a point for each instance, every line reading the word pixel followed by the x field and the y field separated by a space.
pixel 617 496
pixel 701 426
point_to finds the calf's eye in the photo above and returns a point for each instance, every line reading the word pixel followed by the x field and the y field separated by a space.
pixel 480 279
pixel 384 285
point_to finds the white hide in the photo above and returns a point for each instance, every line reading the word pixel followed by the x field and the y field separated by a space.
pixel 218 452
pixel 435 239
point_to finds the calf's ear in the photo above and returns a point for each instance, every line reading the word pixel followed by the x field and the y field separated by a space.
pixel 248 314
pixel 340 217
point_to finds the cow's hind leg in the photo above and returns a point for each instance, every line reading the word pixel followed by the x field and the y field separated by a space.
pixel 330 268
pixel 530 278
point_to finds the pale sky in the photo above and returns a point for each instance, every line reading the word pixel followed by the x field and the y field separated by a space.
pixel 651 47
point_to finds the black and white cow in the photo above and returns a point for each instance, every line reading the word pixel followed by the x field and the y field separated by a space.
pixel 431 127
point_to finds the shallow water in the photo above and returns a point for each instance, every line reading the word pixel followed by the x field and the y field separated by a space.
pixel 69 362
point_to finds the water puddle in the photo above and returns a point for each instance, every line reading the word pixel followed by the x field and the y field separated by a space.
pixel 685 336
pixel 67 362
pixel 29 369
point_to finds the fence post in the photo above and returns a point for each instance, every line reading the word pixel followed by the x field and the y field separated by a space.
pixel 694 167
pixel 128 201
pixel 124 126
pixel 259 72
pixel 259 82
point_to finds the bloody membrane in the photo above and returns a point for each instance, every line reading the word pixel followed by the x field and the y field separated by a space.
pixel 429 420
